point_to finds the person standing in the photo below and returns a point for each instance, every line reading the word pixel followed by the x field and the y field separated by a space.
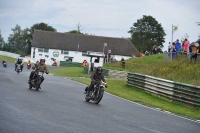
pixel 185 46
pixel 169 47
pixel 178 46
pixel 84 63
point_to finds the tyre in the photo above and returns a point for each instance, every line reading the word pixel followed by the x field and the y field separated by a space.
pixel 98 99
pixel 87 99
pixel 30 86
pixel 38 84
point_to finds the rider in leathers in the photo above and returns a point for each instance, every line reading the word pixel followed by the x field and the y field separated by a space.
pixel 95 77
pixel 38 66
pixel 20 62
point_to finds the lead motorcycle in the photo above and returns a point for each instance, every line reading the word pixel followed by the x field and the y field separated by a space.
pixel 37 80
pixel 96 94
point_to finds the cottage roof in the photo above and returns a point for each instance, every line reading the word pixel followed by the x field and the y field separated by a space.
pixel 83 43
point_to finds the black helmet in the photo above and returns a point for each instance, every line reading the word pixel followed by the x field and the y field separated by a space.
pixel 99 70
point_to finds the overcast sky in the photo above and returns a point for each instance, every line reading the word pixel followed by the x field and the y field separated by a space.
pixel 111 18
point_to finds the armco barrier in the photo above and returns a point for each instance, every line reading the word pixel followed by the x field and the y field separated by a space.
pixel 186 94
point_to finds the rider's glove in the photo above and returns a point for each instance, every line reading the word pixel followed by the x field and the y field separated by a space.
pixel 106 86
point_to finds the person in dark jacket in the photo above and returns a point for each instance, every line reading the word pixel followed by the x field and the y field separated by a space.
pixel 97 76
pixel 19 62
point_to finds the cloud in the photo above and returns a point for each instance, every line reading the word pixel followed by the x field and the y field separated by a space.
pixel 103 18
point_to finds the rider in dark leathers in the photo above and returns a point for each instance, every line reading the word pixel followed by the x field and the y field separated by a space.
pixel 19 61
pixel 95 77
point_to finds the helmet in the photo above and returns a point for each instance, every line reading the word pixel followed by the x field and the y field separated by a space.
pixel 99 70
pixel 42 60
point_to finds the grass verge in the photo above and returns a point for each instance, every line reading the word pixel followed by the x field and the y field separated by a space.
pixel 7 59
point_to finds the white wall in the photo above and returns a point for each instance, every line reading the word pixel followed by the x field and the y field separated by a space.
pixel 77 56
pixel 13 55
pixel 119 57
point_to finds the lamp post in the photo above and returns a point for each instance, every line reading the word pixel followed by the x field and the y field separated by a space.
pixel 174 28
pixel 105 44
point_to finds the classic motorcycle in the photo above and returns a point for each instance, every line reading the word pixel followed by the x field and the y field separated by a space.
pixel 37 80
pixel 96 94
pixel 18 69
pixel 28 66
pixel 4 65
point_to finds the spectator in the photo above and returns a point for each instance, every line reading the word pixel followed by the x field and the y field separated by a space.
pixel 185 46
pixel 154 49
pixel 173 51
pixel 195 51
pixel 123 62
pixel 84 63
pixel 178 46
pixel 169 47
pixel 146 53
pixel 133 56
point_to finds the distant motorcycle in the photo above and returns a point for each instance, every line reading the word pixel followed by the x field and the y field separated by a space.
pixel 96 94
pixel 4 64
pixel 54 64
pixel 28 66
pixel 18 69
pixel 37 80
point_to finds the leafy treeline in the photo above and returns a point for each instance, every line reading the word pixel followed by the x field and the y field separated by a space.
pixel 20 40
pixel 146 33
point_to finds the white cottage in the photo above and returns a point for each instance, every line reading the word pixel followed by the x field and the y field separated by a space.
pixel 79 47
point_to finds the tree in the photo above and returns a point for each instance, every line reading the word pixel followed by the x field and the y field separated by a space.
pixel 146 33
pixel 15 39
pixel 1 41
pixel 37 26
pixel 74 32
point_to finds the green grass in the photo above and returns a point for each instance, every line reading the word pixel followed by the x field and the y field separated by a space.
pixel 71 72
pixel 154 65
pixel 119 88
pixel 7 59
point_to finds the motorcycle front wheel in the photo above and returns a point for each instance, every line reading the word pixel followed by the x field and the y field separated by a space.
pixel 30 86
pixel 38 84
pixel 98 98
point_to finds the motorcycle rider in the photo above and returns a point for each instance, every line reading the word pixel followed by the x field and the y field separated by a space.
pixel 20 62
pixel 97 76
pixel 38 66
pixel 29 62
pixel 3 62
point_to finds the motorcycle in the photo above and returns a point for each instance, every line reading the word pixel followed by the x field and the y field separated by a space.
pixel 4 65
pixel 54 64
pixel 37 80
pixel 96 94
pixel 28 66
pixel 18 69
